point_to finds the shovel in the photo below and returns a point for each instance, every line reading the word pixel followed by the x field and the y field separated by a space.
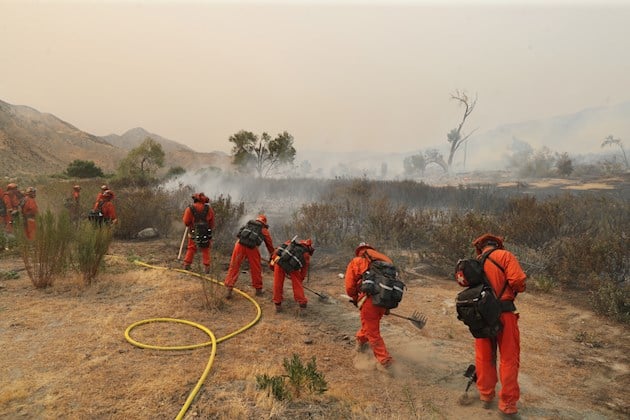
pixel 322 296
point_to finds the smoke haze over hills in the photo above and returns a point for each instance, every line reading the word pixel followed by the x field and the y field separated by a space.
pixel 340 76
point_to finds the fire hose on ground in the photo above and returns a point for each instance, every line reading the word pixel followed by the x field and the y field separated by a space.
pixel 213 340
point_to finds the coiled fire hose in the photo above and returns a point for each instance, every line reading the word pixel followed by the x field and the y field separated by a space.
pixel 213 340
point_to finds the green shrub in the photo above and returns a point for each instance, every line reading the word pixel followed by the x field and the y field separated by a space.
pixel 297 380
pixel 46 255
pixel 227 216
pixel 90 247
pixel 83 169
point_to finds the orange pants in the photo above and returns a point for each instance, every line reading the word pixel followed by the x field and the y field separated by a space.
pixel 278 285
pixel 30 228
pixel 508 342
pixel 253 257
pixel 191 250
pixel 371 331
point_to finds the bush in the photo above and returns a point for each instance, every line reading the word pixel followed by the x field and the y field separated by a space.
pixel 141 208
pixel 90 246
pixel 612 299
pixel 45 256
pixel 227 217
pixel 83 169
pixel 300 379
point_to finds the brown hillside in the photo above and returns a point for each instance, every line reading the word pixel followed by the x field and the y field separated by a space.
pixel 33 143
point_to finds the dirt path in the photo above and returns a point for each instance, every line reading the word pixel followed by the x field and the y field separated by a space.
pixel 66 355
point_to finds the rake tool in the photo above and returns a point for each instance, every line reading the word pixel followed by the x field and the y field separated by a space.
pixel 417 319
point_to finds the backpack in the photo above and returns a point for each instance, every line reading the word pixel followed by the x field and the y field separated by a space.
pixel 201 232
pixel 381 282
pixel 478 306
pixel 3 207
pixel 96 216
pixel 251 235
pixel 291 256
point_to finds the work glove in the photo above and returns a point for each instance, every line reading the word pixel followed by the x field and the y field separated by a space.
pixel 386 311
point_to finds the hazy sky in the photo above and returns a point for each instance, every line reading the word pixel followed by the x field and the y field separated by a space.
pixel 342 75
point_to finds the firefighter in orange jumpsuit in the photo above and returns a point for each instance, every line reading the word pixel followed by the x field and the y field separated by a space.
pixel 107 207
pixel 297 276
pixel 99 196
pixel 249 250
pixel 508 340
pixel 73 204
pixel 11 199
pixel 29 211
pixel 370 314
pixel 201 206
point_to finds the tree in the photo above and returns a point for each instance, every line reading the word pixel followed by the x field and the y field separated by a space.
pixel 610 140
pixel 564 164
pixel 262 154
pixel 434 156
pixel 455 137
pixel 415 164
pixel 141 163
pixel 83 169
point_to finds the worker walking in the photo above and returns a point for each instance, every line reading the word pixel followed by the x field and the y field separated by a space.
pixel 293 259
pixel 250 237
pixel 369 334
pixel 507 278
pixel 199 220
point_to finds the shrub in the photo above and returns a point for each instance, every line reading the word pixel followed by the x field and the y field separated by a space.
pixel 227 216
pixel 46 255
pixel 300 379
pixel 612 299
pixel 90 246
pixel 83 169
pixel 141 208
pixel 531 223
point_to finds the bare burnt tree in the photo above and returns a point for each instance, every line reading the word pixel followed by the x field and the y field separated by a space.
pixel 455 137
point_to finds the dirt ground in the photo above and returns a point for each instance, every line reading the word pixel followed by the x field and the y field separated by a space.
pixel 65 355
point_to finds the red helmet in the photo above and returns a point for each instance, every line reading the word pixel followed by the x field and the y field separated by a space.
pixel 362 246
pixel 262 218
pixel 487 239
pixel 12 186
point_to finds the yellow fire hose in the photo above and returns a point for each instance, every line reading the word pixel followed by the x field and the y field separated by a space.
pixel 213 340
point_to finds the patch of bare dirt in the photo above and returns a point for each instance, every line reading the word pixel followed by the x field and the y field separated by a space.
pixel 65 354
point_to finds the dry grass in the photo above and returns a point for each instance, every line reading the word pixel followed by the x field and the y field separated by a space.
pixel 68 357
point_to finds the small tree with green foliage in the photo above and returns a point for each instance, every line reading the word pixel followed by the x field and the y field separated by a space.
pixel 262 154
pixel 564 164
pixel 610 140
pixel 142 163
pixel 83 169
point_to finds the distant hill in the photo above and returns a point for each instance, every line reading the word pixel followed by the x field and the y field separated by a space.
pixel 134 137
pixel 33 143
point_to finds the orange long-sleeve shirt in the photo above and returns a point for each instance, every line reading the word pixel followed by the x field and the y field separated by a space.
pixel 513 273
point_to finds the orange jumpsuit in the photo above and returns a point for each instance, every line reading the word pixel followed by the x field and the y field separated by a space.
pixel 508 340
pixel 189 220
pixel 29 210
pixel 370 314
pixel 241 252
pixel 297 278
pixel 11 199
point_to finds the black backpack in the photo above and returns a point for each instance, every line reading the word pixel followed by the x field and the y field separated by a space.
pixel 201 232
pixel 381 282
pixel 478 306
pixel 251 234
pixel 96 216
pixel 291 256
